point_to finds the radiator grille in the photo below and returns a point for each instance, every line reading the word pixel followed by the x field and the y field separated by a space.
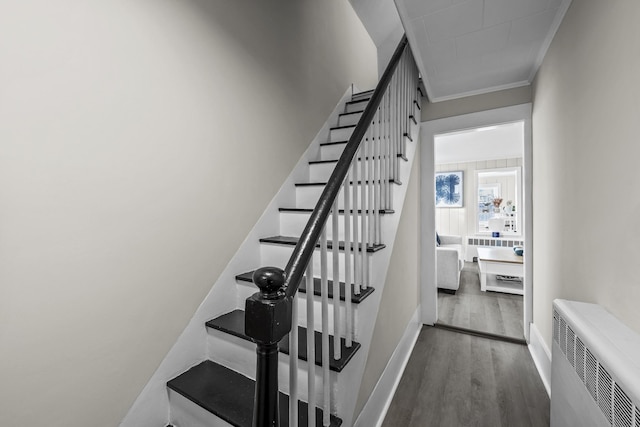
pixel 498 242
pixel 604 392
pixel 611 398
pixel 571 346
pixel 623 408
pixel 580 359
pixel 591 376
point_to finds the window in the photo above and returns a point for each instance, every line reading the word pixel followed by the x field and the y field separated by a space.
pixel 498 196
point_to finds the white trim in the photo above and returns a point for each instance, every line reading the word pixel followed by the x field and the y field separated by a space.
pixel 374 411
pixel 541 356
pixel 427 203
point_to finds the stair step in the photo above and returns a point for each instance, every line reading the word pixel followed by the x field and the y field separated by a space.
pixel 229 395
pixel 322 144
pixel 366 92
pixel 292 241
pixel 233 323
pixel 340 211
pixel 355 298
pixel 343 127
pixel 348 114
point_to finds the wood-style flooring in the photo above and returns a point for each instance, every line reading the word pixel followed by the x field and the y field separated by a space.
pixel 492 312
pixel 454 379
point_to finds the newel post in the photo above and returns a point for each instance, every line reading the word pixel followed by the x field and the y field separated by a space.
pixel 267 321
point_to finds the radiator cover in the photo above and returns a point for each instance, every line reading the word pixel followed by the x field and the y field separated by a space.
pixel 595 370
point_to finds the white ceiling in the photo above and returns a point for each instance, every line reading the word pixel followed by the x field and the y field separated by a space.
pixel 487 143
pixel 468 47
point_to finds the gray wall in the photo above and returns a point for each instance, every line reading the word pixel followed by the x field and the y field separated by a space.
pixel 472 104
pixel 585 154
pixel 140 142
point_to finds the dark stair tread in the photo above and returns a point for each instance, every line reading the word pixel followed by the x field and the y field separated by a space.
pixel 315 184
pixel 342 127
pixel 408 136
pixel 317 286
pixel 333 143
pixel 292 241
pixel 413 119
pixel 340 211
pixel 229 395
pixel 417 104
pixel 358 101
pixel 233 323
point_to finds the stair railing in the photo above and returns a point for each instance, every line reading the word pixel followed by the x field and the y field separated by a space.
pixel 364 177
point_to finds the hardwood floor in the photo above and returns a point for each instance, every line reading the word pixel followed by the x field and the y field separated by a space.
pixel 492 312
pixel 453 379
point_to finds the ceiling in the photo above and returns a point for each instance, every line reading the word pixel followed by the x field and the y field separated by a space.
pixel 468 47
pixel 486 143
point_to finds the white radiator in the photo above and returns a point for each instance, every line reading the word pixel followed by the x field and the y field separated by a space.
pixel 595 369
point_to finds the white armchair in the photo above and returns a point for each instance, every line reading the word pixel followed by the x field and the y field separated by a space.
pixel 449 262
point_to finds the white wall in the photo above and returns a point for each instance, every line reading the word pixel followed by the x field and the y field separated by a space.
pixel 140 142
pixel 585 150
pixel 461 221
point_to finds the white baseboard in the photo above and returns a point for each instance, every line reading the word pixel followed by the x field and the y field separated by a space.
pixel 541 356
pixel 375 409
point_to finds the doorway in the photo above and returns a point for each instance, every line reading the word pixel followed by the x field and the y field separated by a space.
pixel 494 212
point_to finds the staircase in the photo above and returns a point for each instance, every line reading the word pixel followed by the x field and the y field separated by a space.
pixel 218 388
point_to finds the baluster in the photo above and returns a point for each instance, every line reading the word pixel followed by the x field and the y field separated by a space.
pixel 293 365
pixel 372 184
pixel 363 213
pixel 335 249
pixel 324 292
pixel 311 347
pixel 385 148
pixel 356 256
pixel 378 189
pixel 347 261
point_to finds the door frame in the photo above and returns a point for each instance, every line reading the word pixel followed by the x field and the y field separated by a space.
pixel 428 131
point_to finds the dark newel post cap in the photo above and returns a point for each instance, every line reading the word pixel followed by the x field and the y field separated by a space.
pixel 270 280
pixel 268 312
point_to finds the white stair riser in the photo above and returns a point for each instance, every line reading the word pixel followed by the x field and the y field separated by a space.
pixel 308 196
pixel 320 172
pixel 342 134
pixel 293 223
pixel 278 256
pixel 332 151
pixel 349 119
pixel 358 106
pixel 240 355
pixel 185 413
pixel 362 95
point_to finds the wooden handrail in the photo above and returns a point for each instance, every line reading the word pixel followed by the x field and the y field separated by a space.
pixel 294 271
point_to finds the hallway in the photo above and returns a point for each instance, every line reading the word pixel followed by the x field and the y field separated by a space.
pixel 454 379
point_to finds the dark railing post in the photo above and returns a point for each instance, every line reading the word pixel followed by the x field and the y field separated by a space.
pixel 267 321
